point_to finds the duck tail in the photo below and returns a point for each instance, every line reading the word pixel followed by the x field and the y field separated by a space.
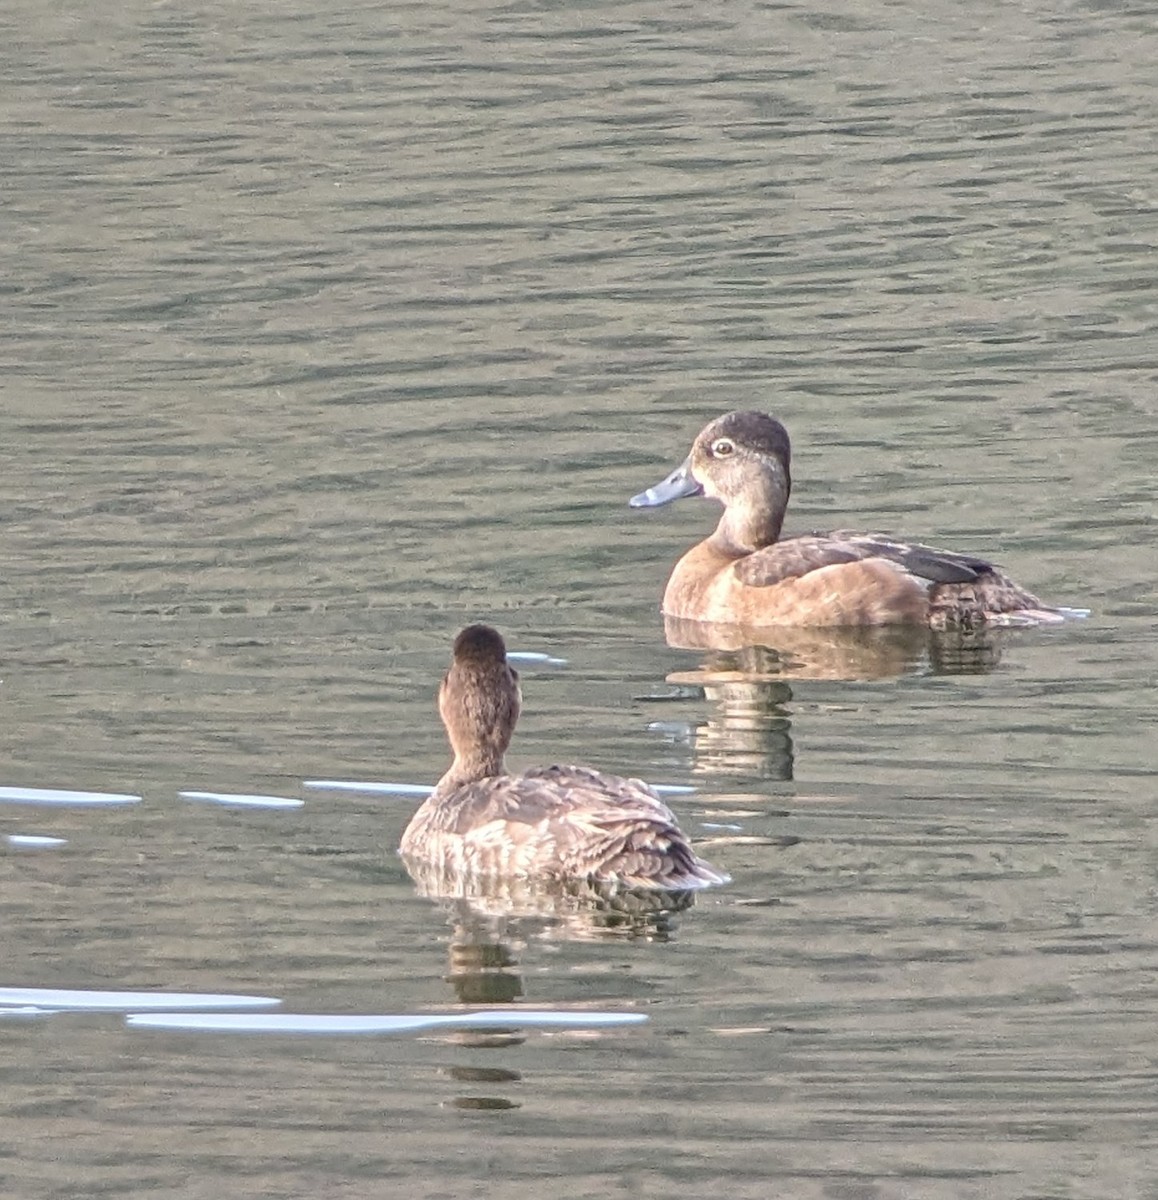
pixel 703 874
pixel 686 871
pixel 992 599
pixel 668 863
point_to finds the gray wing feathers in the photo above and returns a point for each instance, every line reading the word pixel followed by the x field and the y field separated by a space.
pixel 797 556
pixel 926 562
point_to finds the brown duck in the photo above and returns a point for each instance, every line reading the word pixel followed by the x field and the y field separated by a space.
pixel 745 574
pixel 559 822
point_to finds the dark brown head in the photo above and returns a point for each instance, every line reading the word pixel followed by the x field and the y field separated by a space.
pixel 479 702
pixel 479 644
pixel 743 460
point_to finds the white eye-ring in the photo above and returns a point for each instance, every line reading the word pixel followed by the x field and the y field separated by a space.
pixel 722 447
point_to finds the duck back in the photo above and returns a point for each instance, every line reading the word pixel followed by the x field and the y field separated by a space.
pixel 561 822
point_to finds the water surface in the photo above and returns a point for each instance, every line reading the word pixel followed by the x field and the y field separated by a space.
pixel 329 331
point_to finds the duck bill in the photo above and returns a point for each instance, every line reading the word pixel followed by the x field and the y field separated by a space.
pixel 681 482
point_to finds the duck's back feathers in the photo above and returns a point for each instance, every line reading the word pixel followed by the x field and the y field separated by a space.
pixel 562 821
pixel 797 556
pixel 793 558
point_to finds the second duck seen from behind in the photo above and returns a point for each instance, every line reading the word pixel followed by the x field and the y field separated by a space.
pixel 745 574
pixel 558 822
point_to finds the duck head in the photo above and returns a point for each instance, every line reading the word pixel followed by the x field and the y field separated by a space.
pixel 741 459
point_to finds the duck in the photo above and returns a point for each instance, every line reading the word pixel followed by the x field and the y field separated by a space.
pixel 563 823
pixel 746 574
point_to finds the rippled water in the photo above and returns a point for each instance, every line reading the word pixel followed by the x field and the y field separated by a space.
pixel 327 332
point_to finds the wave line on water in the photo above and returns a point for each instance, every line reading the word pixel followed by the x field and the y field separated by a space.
pixel 380 789
pixel 355 1024
pixel 242 800
pixel 62 796
pixel 74 1000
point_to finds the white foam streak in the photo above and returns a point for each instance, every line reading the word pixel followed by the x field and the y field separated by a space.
pixel 240 800
pixel 331 1023
pixel 92 1001
pixel 59 796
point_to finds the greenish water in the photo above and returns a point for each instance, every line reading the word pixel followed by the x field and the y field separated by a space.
pixel 329 332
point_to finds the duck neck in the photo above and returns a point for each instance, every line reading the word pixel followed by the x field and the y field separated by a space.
pixel 479 705
pixel 481 762
pixel 752 522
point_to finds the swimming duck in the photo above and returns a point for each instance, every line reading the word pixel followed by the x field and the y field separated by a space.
pixel 554 822
pixel 744 574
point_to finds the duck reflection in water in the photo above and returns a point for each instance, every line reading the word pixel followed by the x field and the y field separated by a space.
pixel 746 674
pixel 748 730
pixel 849 653
pixel 494 924
pixel 510 840
pixel 491 928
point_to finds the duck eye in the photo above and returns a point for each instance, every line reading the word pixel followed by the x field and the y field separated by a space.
pixel 722 447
